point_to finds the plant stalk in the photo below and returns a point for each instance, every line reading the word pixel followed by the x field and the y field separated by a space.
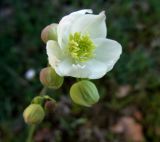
pixel 31 132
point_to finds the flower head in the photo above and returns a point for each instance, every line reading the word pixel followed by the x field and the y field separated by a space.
pixel 82 49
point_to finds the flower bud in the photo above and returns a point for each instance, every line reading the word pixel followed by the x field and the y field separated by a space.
pixel 50 79
pixel 49 33
pixel 84 93
pixel 50 106
pixel 38 100
pixel 33 114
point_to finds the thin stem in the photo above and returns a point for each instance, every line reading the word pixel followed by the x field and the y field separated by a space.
pixel 80 79
pixel 43 91
pixel 31 132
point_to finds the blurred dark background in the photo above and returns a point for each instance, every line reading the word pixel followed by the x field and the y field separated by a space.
pixel 129 108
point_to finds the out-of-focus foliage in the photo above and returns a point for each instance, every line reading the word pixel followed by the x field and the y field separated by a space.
pixel 131 89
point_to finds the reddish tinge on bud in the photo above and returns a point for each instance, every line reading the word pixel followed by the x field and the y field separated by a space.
pixel 49 33
pixel 50 106
pixel 50 78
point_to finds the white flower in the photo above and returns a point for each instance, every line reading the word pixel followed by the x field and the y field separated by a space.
pixel 82 49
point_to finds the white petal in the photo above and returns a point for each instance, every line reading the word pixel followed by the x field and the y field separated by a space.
pixel 107 51
pixel 66 23
pixel 92 70
pixel 54 53
pixel 64 68
pixel 92 24
pixel 97 69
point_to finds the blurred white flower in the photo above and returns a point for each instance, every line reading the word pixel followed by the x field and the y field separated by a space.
pixel 30 74
pixel 82 49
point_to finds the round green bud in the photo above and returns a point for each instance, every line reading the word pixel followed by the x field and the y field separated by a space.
pixel 49 33
pixel 38 100
pixel 50 78
pixel 84 93
pixel 33 114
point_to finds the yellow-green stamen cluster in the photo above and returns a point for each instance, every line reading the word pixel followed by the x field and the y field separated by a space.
pixel 81 47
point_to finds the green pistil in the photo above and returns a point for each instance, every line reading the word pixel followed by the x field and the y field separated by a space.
pixel 81 47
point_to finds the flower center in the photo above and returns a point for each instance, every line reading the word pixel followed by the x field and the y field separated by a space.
pixel 81 47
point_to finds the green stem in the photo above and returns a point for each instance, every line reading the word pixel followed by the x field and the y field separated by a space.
pixel 80 79
pixel 43 91
pixel 31 132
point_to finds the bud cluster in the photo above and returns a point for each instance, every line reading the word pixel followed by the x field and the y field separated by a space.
pixel 35 112
pixel 83 92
